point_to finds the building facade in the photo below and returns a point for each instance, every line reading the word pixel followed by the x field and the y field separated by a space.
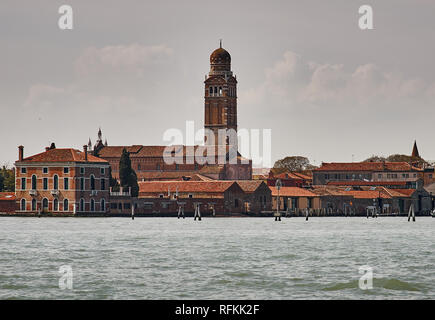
pixel 61 182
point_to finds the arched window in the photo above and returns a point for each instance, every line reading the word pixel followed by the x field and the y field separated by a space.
pixel 45 204
pixel 55 205
pixel 103 205
pixel 33 204
pixel 33 182
pixel 23 205
pixel 55 182
pixel 215 91
pixel 92 182
pixel 82 183
pixel 211 91
pixel 82 205
pixel 103 184
pixel 220 91
pixel 65 205
pixel 92 205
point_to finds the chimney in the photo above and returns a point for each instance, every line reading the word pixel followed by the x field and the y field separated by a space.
pixel 20 153
pixel 85 150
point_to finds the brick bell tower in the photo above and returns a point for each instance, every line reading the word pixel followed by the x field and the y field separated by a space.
pixel 220 97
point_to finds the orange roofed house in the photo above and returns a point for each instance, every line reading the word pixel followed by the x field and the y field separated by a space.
pixel 61 181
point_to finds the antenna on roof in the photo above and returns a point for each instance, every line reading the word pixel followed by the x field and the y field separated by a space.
pixel 220 43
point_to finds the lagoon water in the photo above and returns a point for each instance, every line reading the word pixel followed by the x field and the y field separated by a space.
pixel 217 258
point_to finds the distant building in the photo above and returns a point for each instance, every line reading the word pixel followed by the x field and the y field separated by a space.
pixel 61 181
pixel 8 203
pixel 366 171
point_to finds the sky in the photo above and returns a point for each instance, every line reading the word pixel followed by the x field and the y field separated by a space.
pixel 327 89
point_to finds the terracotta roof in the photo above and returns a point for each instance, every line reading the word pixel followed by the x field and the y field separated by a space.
pixel 292 192
pixel 7 196
pixel 214 186
pixel 367 194
pixel 328 191
pixel 407 192
pixel 62 155
pixel 171 175
pixel 249 186
pixel 367 166
pixel 366 183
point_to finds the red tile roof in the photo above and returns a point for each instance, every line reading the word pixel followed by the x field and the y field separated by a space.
pixel 62 155
pixel 367 194
pixel 7 196
pixel 214 186
pixel 366 183
pixel 249 186
pixel 367 166
pixel 292 192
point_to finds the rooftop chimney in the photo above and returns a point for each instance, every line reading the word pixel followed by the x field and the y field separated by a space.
pixel 20 153
pixel 85 150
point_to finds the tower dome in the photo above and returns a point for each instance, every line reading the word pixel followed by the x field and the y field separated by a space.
pixel 220 62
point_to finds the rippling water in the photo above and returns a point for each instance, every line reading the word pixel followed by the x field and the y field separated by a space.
pixel 217 258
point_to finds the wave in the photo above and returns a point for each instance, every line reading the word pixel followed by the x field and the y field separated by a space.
pixel 385 283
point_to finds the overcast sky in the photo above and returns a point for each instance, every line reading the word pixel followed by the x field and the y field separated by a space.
pixel 327 89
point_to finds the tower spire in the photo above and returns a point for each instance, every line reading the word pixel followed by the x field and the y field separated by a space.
pixel 415 152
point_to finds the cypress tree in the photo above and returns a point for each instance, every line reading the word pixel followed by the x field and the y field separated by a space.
pixel 127 175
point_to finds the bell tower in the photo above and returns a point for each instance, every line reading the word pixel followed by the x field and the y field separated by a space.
pixel 220 98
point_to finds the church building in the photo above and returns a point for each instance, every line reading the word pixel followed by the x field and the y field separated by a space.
pixel 220 115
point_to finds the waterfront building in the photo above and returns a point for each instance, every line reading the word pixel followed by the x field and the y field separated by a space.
pixel 61 181
pixel 8 203
pixel 366 171
pixel 213 197
pixel 294 198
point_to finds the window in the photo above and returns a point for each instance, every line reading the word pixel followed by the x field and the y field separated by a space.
pixel 55 205
pixel 66 170
pixel 102 171
pixel 138 167
pixel 82 205
pixel 220 91
pixel 160 195
pixel 65 205
pixel 236 203
pixel 23 205
pixel 103 205
pixel 33 204
pixel 103 184
pixel 82 170
pixel 33 182
pixel 44 170
pixel 113 205
pixel 66 183
pixel 120 206
pixel 190 195
pixel 23 183
pixel 92 205
pixel 215 90
pixel 45 183
pixel 55 182
pixel 45 204
pixel 82 183
pixel 92 182
pixel 23 170
pixel 127 205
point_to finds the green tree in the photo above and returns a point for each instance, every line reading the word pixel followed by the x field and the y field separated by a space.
pixel 292 163
pixel 405 158
pixel 127 175
pixel 7 179
pixel 375 158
